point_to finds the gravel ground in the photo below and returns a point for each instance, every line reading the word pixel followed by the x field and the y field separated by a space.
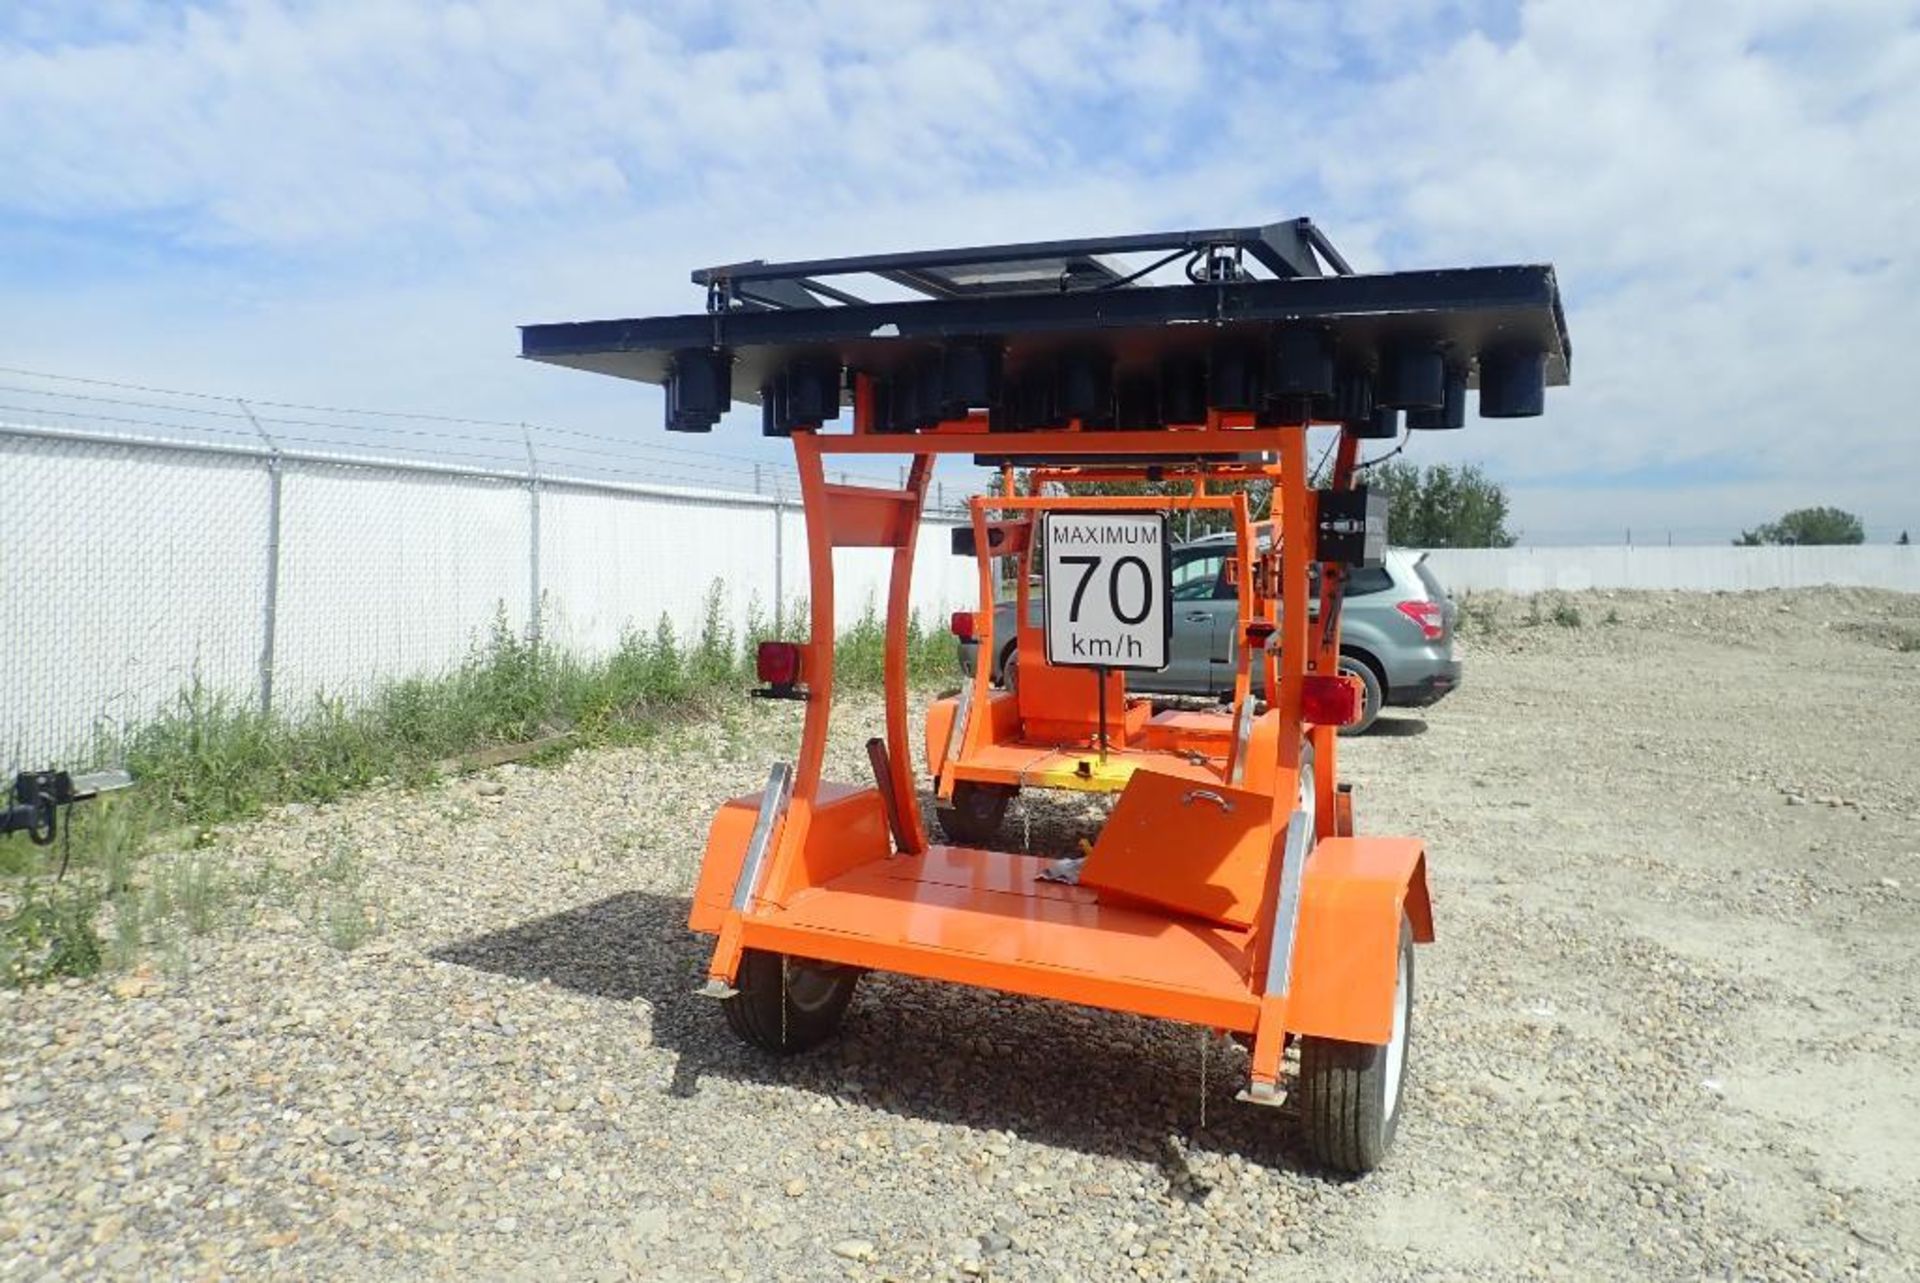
pixel 1669 1029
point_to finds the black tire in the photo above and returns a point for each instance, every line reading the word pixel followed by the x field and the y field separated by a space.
pixel 974 815
pixel 1370 709
pixel 1347 1113
pixel 786 1006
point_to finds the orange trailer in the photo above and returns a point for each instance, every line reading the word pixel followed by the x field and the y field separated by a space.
pixel 1231 893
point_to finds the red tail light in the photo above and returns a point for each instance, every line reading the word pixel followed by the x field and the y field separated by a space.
pixel 963 626
pixel 778 663
pixel 1427 614
pixel 1331 700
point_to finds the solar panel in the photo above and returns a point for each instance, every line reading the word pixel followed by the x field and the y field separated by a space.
pixel 1263 321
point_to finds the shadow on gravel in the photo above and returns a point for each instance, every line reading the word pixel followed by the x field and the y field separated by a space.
pixel 1390 728
pixel 1091 1081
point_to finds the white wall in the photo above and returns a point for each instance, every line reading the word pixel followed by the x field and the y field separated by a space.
pixel 129 568
pixel 1700 569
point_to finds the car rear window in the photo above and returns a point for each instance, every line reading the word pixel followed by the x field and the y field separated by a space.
pixel 1368 579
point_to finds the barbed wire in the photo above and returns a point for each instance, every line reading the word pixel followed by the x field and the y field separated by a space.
pixel 231 416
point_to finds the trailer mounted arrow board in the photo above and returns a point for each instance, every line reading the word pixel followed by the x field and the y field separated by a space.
pixel 1108 581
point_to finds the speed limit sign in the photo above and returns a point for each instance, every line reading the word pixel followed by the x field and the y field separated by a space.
pixel 1107 584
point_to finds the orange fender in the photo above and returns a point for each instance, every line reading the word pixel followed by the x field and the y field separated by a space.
pixel 1003 723
pixel 1353 894
pixel 720 866
pixel 849 828
pixel 940 715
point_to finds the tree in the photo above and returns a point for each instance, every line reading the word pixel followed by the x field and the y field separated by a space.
pixel 1806 526
pixel 1442 506
pixel 1903 541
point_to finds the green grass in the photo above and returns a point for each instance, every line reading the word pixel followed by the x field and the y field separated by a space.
pixel 210 759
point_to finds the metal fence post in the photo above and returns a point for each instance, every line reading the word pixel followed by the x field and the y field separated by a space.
pixel 533 541
pixel 269 623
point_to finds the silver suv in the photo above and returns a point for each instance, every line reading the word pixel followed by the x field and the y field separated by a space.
pixel 1396 633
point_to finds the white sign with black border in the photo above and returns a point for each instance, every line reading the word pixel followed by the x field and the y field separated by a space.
pixel 1108 581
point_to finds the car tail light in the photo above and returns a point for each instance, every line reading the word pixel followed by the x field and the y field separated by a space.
pixel 778 663
pixel 962 625
pixel 1331 700
pixel 1427 614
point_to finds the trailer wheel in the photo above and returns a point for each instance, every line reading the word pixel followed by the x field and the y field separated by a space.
pixel 1350 1092
pixel 790 1012
pixel 974 815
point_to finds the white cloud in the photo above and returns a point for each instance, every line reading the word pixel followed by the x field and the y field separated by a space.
pixel 357 201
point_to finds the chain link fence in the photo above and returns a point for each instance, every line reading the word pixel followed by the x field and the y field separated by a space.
pixel 136 569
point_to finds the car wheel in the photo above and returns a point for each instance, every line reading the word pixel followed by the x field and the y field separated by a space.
pixel 1370 705
pixel 1010 668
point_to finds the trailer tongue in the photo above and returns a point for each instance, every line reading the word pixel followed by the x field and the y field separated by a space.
pixel 1228 889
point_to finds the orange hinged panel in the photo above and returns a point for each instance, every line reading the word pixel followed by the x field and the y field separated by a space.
pixel 849 829
pixel 1199 849
pixel 1352 895
pixel 984 918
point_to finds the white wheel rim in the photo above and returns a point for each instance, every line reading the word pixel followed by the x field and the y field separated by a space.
pixel 810 988
pixel 1397 1043
pixel 1308 802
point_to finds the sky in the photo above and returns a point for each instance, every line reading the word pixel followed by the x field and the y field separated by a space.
pixel 355 203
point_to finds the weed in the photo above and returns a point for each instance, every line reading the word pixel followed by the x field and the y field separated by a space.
pixel 1566 614
pixel 1613 616
pixel 51 933
pixel 198 890
pixel 1477 618
pixel 338 904
pixel 129 932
